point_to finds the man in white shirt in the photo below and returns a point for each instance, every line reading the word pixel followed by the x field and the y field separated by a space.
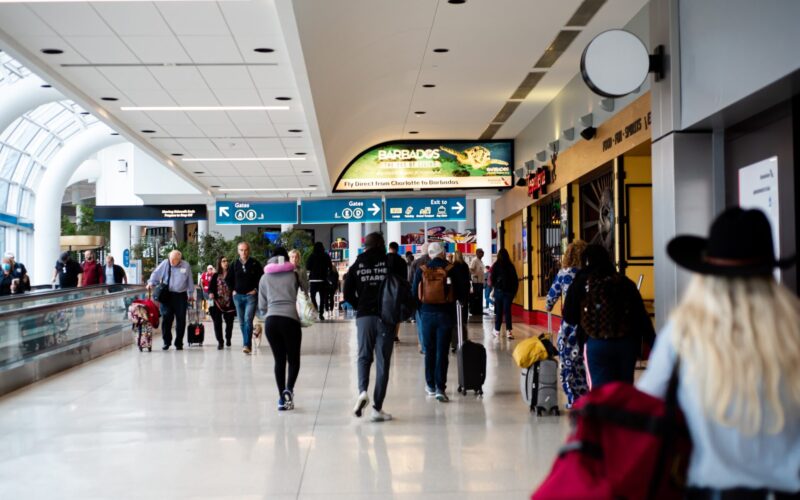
pixel 476 271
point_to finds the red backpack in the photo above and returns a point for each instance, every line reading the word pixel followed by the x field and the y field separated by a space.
pixel 625 444
pixel 153 312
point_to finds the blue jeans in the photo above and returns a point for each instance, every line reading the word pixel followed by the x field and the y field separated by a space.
pixel 612 360
pixel 487 292
pixel 246 311
pixel 502 307
pixel 418 324
pixel 436 332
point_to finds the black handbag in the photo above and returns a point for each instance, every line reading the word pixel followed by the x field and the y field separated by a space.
pixel 161 291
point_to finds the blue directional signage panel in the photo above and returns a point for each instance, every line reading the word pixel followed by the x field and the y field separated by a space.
pixel 426 209
pixel 341 210
pixel 249 212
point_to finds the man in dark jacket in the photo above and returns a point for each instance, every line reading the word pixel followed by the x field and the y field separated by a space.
pixel 318 265
pixel 362 287
pixel 437 322
pixel 243 283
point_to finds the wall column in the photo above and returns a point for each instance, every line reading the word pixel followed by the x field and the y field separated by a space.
pixel 353 241
pixel 371 227
pixel 393 232
pixel 120 239
pixel 483 227
pixel 202 229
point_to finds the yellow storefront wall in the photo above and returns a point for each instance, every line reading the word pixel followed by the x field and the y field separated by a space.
pixel 514 243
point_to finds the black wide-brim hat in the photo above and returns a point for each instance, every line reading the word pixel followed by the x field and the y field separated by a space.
pixel 739 244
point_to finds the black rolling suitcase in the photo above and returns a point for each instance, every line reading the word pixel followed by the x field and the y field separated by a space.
pixel 195 330
pixel 471 360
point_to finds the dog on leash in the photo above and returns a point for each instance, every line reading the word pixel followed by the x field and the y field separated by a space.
pixel 258 334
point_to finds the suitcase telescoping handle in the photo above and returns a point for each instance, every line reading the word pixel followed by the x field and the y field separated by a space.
pixel 459 324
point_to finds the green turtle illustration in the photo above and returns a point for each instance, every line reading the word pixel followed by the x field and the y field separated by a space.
pixel 477 157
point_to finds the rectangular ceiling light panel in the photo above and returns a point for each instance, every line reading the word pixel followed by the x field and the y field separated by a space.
pixel 203 108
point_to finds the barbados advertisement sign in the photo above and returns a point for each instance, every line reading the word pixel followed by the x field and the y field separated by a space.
pixel 400 165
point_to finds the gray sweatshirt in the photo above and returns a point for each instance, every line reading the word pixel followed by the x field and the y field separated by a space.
pixel 277 290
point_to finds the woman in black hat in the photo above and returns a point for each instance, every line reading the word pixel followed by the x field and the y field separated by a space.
pixel 736 333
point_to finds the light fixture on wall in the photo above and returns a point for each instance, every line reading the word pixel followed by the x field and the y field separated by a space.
pixel 587 122
pixel 607 104
pixel 569 134
pixel 541 156
pixel 122 165
pixel 553 146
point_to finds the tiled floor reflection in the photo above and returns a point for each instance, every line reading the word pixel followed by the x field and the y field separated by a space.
pixel 202 424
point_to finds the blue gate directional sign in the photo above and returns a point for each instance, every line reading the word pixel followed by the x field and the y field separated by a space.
pixel 341 210
pixel 249 212
pixel 426 209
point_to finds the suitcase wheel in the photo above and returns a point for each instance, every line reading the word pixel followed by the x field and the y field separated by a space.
pixel 539 412
pixel 149 349
pixel 554 411
pixel 140 348
pixel 460 390
pixel 479 392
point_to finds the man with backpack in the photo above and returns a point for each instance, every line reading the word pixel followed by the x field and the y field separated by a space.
pixel 363 290
pixel 434 286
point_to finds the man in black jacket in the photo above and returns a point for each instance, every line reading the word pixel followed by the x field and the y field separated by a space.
pixel 362 287
pixel 243 282
pixel 318 265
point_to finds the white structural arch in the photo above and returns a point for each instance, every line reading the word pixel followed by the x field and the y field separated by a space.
pixel 23 96
pixel 47 212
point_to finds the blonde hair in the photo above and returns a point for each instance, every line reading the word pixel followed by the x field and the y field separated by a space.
pixel 458 257
pixel 572 257
pixel 739 339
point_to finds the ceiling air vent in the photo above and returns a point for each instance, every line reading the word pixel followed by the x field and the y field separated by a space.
pixel 558 47
pixel 490 131
pixel 585 12
pixel 527 85
pixel 506 111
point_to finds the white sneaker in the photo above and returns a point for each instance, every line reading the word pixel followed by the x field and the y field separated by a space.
pixel 442 397
pixel 430 391
pixel 496 333
pixel 361 403
pixel 510 335
pixel 380 416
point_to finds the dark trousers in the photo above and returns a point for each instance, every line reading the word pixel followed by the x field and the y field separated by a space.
pixel 321 288
pixel 284 336
pixel 217 316
pixel 611 360
pixel 436 334
pixel 174 310
pixel 502 307
pixel 330 296
pixel 374 337
pixel 476 300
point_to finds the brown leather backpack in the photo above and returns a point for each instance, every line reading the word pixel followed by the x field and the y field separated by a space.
pixel 433 288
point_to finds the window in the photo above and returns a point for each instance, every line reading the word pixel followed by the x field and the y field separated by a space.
pixel 549 243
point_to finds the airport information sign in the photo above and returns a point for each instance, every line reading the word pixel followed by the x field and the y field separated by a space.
pixel 339 211
pixel 426 209
pixel 249 212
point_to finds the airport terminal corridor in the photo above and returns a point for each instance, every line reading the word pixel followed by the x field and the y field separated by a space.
pixel 202 423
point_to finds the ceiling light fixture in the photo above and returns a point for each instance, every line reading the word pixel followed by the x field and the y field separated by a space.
pixel 203 108
pixel 85 113
pixel 110 99
pixel 413 132
pixel 177 154
pixel 230 190
pixel 114 133
pixel 300 154
pixel 148 131
pixel 244 159
pixel 264 50
pixel 428 86
pixel 420 113
pixel 457 2
pixel 306 172
pixel 295 130
pixel 283 98
pixel 47 86
pixel 198 172
pixel 214 185
pixel 52 52
pixel 441 51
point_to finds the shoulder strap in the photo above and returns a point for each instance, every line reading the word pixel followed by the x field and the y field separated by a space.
pixel 169 271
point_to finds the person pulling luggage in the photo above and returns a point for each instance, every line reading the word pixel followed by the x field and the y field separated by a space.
pixel 177 274
pixel 433 285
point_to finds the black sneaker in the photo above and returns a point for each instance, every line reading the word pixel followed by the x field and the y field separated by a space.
pixel 220 347
pixel 288 399
pixel 166 347
pixel 178 347
pixel 228 342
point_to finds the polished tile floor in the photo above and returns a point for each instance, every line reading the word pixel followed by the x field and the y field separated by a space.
pixel 202 424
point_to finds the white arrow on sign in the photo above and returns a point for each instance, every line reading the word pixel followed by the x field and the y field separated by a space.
pixel 223 212
pixel 374 209
pixel 458 207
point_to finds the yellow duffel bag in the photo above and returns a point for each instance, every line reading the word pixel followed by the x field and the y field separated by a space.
pixel 528 352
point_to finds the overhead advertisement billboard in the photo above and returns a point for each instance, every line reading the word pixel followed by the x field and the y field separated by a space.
pixel 418 165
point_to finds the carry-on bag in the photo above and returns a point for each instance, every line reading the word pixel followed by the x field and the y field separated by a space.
pixel 141 325
pixel 195 330
pixel 471 360
pixel 539 386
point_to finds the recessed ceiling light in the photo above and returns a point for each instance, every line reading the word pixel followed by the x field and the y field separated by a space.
pixel 295 130
pixel 300 154
pixel 413 132
pixel 85 113
pixel 456 2
pixel 264 50
pixel 177 154
pixel 203 108
pixel 229 190
pixel 114 133
pixel 111 99
pixel 441 51
pixel 244 159
pixel 312 185
pixel 148 131
pixel 283 98
pixel 47 86
pixel 52 52
pixel 214 185
pixel 306 172
pixel 420 112
pixel 198 172
pixel 428 86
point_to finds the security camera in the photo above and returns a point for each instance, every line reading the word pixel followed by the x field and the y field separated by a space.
pixel 588 133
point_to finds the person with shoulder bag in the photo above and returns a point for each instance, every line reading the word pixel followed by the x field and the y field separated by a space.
pixel 277 303
pixel 174 290
pixel 221 302
pixel 611 317
pixel 505 282
pixel 434 285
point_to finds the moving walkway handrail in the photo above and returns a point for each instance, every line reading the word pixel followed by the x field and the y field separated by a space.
pixel 42 293
pixel 45 308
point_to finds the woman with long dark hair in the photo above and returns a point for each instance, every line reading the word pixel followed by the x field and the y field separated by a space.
pixel 505 282
pixel 221 307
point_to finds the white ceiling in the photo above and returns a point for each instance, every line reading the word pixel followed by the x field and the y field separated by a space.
pixel 183 54
pixel 368 59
